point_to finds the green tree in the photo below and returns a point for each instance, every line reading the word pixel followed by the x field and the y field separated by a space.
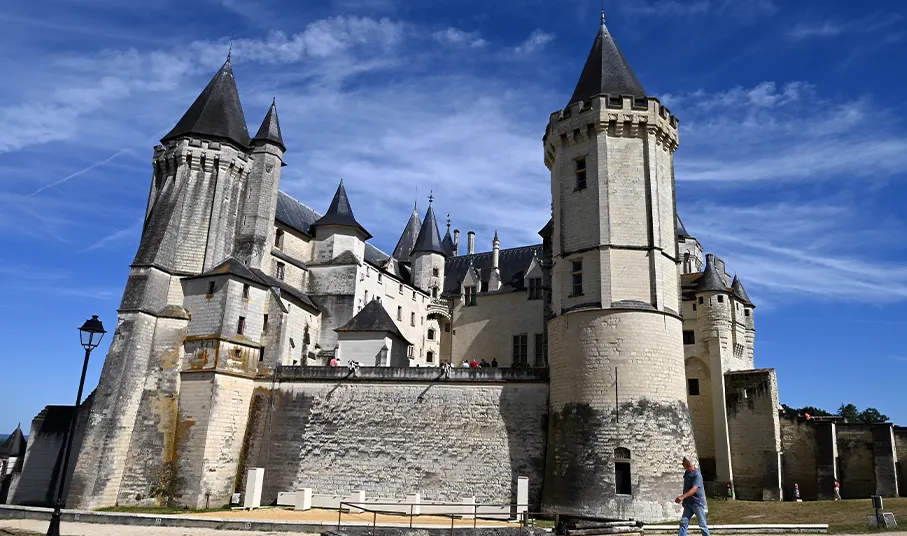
pixel 872 416
pixel 849 412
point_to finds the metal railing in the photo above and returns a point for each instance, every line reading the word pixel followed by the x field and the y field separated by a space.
pixel 520 517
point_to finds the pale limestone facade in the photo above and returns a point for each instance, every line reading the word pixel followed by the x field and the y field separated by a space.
pixel 238 293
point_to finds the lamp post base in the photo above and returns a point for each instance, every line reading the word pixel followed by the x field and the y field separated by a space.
pixel 54 528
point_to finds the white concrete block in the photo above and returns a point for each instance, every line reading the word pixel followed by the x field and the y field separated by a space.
pixel 469 507
pixel 522 494
pixel 254 483
pixel 303 499
pixel 415 501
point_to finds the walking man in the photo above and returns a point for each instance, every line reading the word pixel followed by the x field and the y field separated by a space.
pixel 693 499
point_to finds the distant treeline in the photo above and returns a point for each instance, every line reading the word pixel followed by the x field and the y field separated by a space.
pixel 848 411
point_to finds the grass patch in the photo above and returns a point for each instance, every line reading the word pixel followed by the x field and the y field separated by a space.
pixel 847 516
pixel 157 510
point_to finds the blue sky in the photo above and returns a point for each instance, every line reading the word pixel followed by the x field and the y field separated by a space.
pixel 792 162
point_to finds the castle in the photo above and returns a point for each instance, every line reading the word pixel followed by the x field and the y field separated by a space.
pixel 621 347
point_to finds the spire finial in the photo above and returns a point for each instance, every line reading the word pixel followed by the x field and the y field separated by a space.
pixel 230 50
pixel 416 200
pixel 431 196
pixel 448 223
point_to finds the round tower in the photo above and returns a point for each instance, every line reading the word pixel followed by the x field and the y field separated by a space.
pixel 749 320
pixel 618 420
pixel 715 304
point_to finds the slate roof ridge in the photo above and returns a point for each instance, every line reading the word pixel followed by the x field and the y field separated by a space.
pixel 269 131
pixel 408 237
pixel 14 445
pixel 429 240
pixel 341 213
pixel 711 280
pixel 216 112
pixel 739 291
pixel 606 71
pixel 373 318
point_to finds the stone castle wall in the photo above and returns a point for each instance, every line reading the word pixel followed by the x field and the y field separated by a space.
pixel 486 330
pixel 798 459
pixel 754 432
pixel 856 461
pixel 900 445
pixel 391 432
pixel 642 409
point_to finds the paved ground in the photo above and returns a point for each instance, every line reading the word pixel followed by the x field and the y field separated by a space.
pixel 317 514
pixel 87 529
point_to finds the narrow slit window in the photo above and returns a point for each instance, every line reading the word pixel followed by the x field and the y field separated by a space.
pixel 622 472
pixel 581 174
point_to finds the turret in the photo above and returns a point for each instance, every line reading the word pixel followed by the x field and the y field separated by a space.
pixel 428 256
pixel 494 278
pixel 749 318
pixel 256 225
pixel 447 243
pixel 190 227
pixel 338 231
pixel 689 250
pixel 714 303
pixel 618 419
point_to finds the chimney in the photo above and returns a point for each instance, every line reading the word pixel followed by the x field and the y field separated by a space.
pixel 495 251
pixel 470 243
pixel 494 278
pixel 456 242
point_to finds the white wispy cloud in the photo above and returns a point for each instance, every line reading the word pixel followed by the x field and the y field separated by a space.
pixel 787 250
pixel 785 133
pixel 873 22
pixel 117 236
pixel 741 9
pixel 535 42
pixel 456 37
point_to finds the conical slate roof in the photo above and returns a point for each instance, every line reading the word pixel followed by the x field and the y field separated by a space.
pixel 269 131
pixel 606 71
pixel 373 317
pixel 429 240
pixel 408 238
pixel 340 213
pixel 681 230
pixel 447 244
pixel 216 113
pixel 711 279
pixel 739 291
pixel 14 445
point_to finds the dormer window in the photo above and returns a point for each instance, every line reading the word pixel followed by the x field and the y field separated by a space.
pixel 212 286
pixel 535 288
pixel 469 295
pixel 580 166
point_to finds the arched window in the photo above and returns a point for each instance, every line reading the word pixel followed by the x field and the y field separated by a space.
pixel 430 357
pixel 622 481
pixel 431 334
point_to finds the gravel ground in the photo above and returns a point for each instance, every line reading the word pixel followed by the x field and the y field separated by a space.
pixel 88 529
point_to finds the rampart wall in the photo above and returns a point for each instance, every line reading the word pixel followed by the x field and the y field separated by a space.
pixel 396 431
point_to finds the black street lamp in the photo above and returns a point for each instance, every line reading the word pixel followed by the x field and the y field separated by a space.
pixel 91 333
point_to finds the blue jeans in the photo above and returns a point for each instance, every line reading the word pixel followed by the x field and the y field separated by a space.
pixel 688 511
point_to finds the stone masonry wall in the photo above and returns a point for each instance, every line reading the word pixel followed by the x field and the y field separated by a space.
pixel 394 431
pixel 856 462
pixel 486 330
pixel 798 444
pixel 44 453
pixel 754 432
pixel 900 445
pixel 595 410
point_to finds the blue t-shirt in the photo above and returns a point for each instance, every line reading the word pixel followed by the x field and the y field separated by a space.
pixel 690 479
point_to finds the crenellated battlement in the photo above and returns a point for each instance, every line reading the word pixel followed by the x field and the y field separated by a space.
pixel 199 155
pixel 619 116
